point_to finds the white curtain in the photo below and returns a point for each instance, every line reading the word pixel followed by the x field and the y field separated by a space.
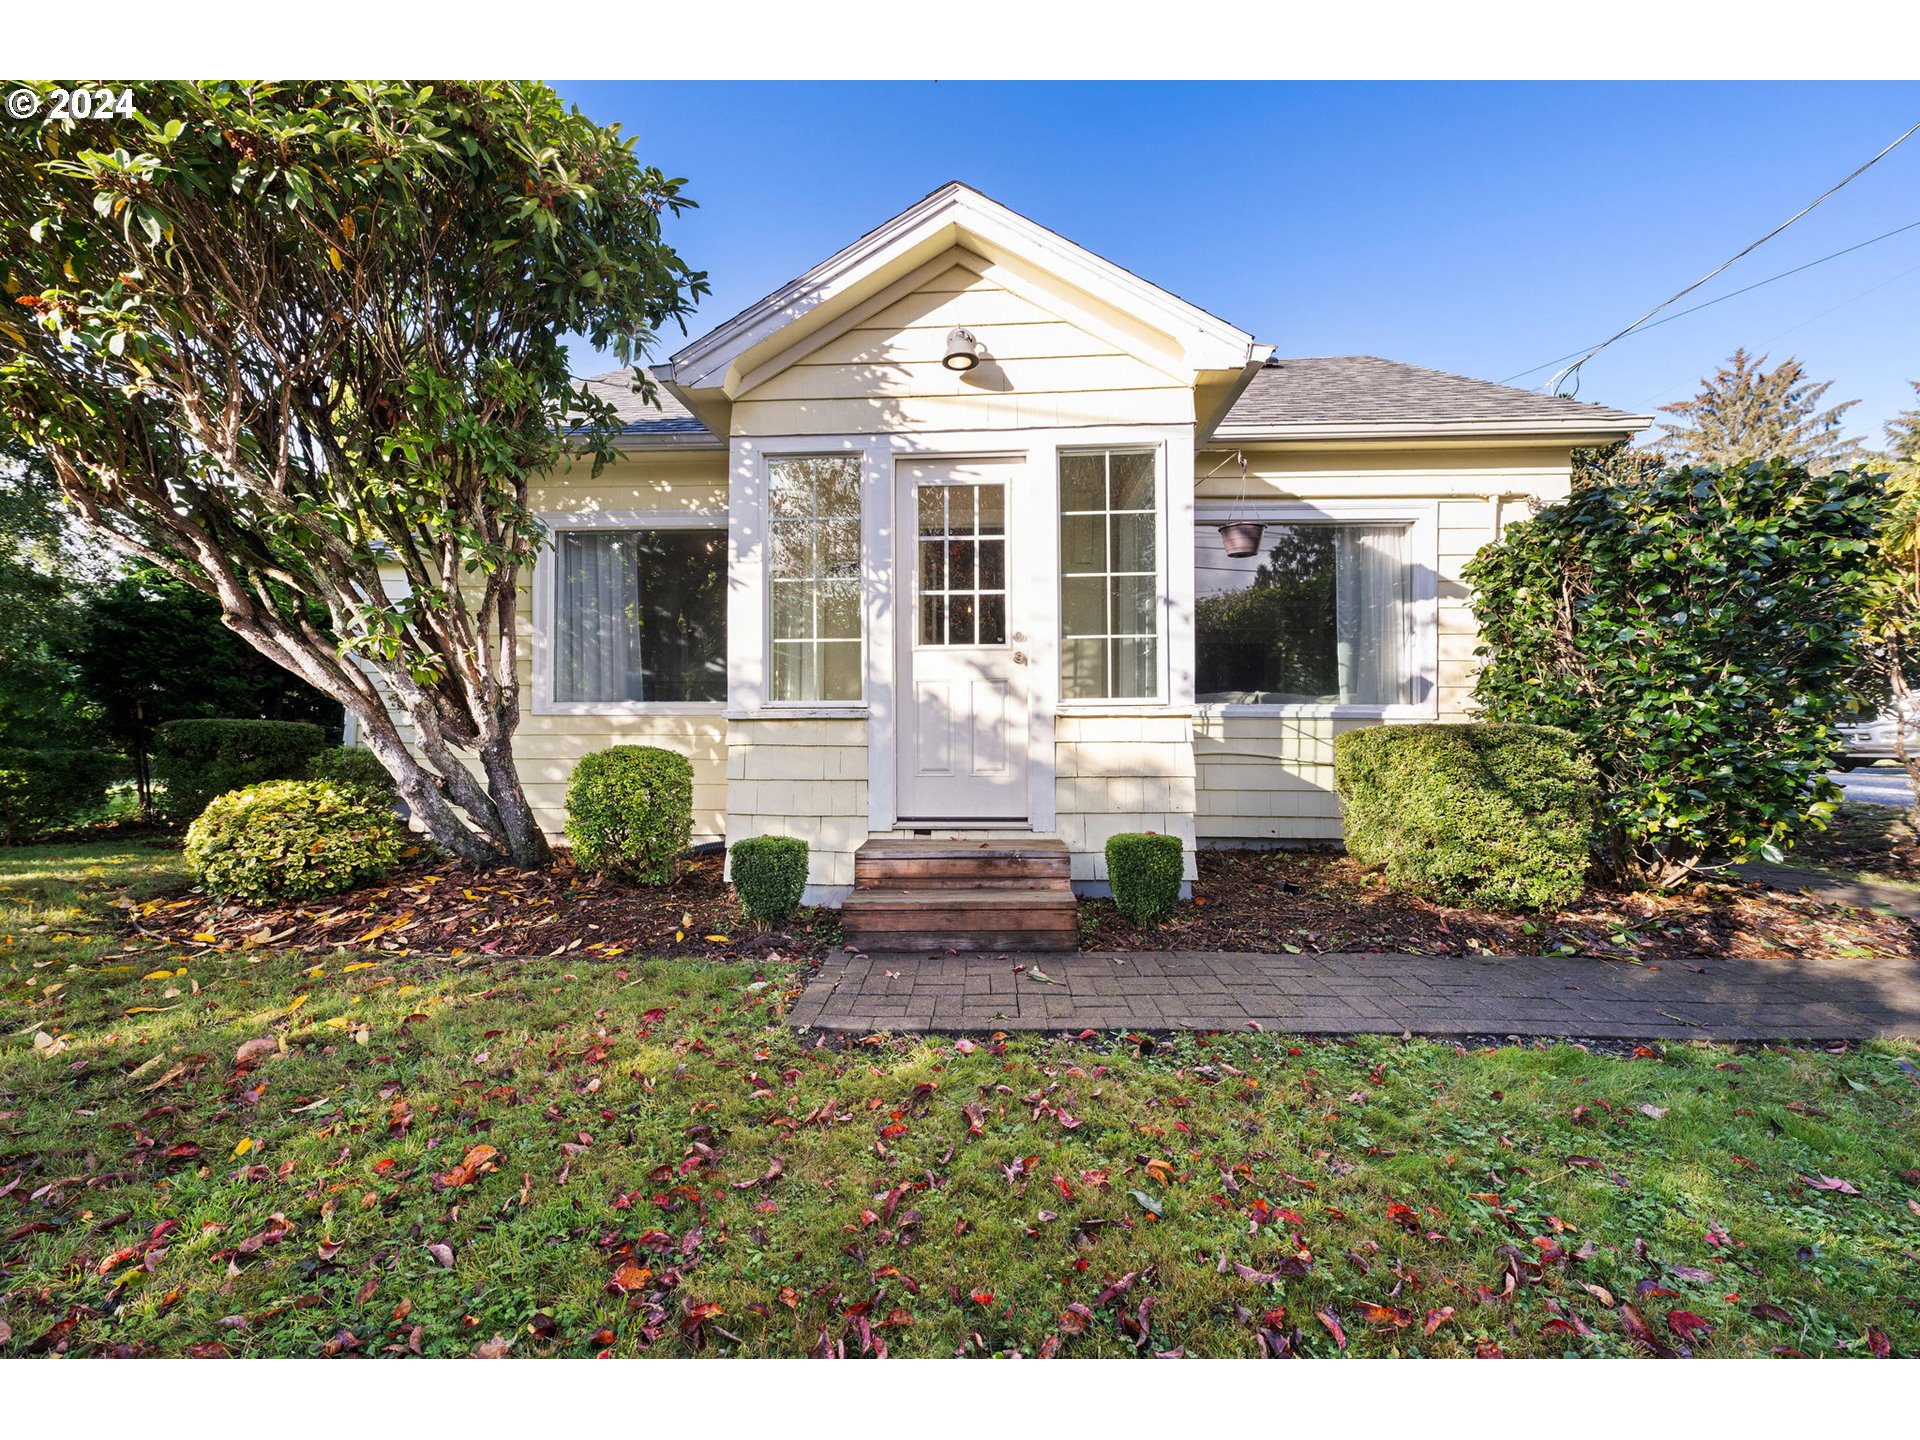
pixel 597 654
pixel 1370 613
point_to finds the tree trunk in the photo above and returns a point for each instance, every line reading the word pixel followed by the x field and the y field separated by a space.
pixel 526 841
pixel 422 791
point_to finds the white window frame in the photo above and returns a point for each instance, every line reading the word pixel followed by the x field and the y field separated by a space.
pixel 546 575
pixel 1164 636
pixel 806 709
pixel 1422 521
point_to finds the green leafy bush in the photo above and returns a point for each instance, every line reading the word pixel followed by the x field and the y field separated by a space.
pixel 46 789
pixel 352 765
pixel 1144 871
pixel 1698 629
pixel 1498 816
pixel 630 812
pixel 769 874
pixel 293 839
pixel 195 760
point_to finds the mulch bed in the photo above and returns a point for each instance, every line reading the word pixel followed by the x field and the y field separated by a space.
pixel 1323 902
pixel 1263 901
pixel 454 909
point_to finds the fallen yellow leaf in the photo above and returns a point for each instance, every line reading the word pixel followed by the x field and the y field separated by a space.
pixel 717 939
pixel 244 1146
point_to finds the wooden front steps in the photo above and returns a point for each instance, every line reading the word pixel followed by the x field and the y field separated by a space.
pixel 961 895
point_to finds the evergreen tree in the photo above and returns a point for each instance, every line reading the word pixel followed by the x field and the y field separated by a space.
pixel 1748 412
pixel 1903 433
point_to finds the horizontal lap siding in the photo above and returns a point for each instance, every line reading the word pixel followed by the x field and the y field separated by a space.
pixel 1266 779
pixel 1271 778
pixel 885 375
pixel 692 481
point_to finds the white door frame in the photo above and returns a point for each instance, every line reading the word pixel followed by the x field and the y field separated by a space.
pixel 1024 573
pixel 1035 507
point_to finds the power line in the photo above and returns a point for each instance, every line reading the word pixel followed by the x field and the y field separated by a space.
pixel 1562 376
pixel 1705 304
pixel 1801 325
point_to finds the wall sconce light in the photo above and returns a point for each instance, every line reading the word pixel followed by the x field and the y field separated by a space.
pixel 963 350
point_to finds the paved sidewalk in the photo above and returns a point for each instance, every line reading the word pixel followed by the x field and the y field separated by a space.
pixel 1711 998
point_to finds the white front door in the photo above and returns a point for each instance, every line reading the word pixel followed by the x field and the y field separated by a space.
pixel 963 636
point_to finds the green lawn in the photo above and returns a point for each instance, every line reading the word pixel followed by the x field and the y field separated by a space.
pixel 564 1158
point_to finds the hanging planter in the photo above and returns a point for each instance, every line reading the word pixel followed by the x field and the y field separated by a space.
pixel 1241 538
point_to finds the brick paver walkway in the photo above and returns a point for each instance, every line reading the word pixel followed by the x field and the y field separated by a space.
pixel 1328 994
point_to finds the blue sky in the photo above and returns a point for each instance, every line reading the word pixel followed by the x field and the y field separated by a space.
pixel 1479 228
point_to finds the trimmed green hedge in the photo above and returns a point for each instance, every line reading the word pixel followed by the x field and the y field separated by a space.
pixel 42 790
pixel 294 839
pixel 195 760
pixel 630 812
pixel 769 874
pixel 352 765
pixel 1491 815
pixel 1144 871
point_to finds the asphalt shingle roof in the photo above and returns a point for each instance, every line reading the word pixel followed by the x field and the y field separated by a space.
pixel 1344 391
pixel 671 418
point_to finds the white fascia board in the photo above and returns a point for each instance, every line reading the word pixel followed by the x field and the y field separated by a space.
pixel 675 441
pixel 1208 426
pixel 1441 429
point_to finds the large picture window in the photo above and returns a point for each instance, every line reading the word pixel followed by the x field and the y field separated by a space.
pixel 814 576
pixel 1109 576
pixel 641 616
pixel 1319 616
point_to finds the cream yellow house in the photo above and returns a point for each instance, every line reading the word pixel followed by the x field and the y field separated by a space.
pixel 927 543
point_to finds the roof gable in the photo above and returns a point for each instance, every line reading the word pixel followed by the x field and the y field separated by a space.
pixel 955 224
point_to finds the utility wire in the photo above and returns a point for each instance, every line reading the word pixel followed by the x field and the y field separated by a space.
pixel 1562 376
pixel 1800 325
pixel 1704 304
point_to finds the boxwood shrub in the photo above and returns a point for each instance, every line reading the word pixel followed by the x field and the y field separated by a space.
pixel 42 790
pixel 352 765
pixel 1491 815
pixel 294 839
pixel 769 874
pixel 1144 871
pixel 195 760
pixel 630 813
